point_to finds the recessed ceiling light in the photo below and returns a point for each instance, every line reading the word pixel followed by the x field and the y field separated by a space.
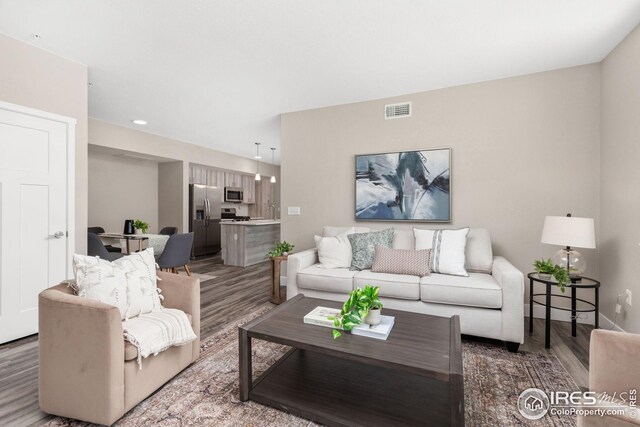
pixel 139 122
pixel 36 36
pixel 90 83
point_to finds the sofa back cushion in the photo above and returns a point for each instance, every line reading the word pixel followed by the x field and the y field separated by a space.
pixel 332 231
pixel 478 254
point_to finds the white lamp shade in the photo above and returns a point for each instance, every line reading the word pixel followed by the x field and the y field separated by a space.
pixel 569 231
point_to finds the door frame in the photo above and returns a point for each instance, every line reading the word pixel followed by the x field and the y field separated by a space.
pixel 70 124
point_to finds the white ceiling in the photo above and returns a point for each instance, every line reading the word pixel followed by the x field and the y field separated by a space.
pixel 219 73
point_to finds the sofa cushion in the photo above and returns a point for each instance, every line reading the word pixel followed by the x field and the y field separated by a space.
pixel 401 261
pixel 330 231
pixel 479 257
pixel 363 247
pixel 335 251
pixel 447 249
pixel 399 286
pixel 131 351
pixel 325 279
pixel 403 239
pixel 476 290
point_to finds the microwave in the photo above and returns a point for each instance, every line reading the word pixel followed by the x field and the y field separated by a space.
pixel 233 195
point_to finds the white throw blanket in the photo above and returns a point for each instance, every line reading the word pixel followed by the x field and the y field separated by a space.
pixel 154 332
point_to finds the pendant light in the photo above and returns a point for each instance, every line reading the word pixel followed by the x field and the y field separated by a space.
pixel 273 162
pixel 257 157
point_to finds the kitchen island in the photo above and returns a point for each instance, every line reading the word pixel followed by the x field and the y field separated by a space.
pixel 246 243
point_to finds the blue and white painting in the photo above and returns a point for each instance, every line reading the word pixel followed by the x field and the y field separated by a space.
pixel 404 186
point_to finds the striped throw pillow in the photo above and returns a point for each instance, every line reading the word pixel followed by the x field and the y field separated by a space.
pixel 447 249
pixel 401 261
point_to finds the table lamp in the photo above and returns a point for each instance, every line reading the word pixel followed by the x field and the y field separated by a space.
pixel 569 231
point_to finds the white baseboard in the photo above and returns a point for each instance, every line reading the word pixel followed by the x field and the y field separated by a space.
pixel 565 316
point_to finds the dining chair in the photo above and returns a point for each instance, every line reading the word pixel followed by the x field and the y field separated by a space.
pixel 168 231
pixel 176 253
pixel 100 230
pixel 95 247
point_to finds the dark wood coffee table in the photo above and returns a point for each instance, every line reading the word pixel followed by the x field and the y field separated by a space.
pixel 412 378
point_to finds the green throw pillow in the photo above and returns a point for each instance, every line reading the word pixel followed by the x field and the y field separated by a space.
pixel 363 247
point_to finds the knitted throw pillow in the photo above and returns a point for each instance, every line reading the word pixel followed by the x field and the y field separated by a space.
pixel 363 247
pixel 401 261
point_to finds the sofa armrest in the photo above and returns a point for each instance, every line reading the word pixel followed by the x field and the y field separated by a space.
pixel 183 293
pixel 81 357
pixel 511 280
pixel 295 263
pixel 613 362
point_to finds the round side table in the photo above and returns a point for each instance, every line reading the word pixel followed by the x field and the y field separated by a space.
pixel 276 295
pixel 583 283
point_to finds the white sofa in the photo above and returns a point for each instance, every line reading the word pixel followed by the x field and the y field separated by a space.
pixel 490 302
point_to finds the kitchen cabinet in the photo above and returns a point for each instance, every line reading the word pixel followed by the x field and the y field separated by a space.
pixel 249 189
pixel 232 180
pixel 197 175
pixel 215 178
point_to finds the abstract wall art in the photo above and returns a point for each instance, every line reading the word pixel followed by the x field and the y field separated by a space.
pixel 404 186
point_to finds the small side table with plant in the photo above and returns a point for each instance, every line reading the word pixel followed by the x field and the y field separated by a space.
pixel 550 274
pixel 277 255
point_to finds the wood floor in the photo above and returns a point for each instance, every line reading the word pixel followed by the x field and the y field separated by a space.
pixel 232 294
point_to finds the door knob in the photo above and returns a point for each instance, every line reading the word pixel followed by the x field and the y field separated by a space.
pixel 58 234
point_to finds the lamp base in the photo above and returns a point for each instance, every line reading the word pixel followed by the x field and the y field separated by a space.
pixel 572 261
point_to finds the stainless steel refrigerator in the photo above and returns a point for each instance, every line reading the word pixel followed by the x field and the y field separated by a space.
pixel 204 214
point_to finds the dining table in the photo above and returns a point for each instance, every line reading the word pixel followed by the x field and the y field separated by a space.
pixel 130 243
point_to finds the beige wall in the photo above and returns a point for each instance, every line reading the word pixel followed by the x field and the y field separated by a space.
pixel 522 148
pixel 170 188
pixel 121 138
pixel 620 171
pixel 122 188
pixel 38 79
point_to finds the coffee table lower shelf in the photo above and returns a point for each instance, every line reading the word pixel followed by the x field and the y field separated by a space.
pixel 339 392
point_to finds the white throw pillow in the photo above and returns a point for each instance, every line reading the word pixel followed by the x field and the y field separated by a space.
pixel 447 249
pixel 335 252
pixel 129 283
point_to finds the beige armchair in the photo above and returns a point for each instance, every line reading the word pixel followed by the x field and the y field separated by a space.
pixel 87 370
pixel 613 368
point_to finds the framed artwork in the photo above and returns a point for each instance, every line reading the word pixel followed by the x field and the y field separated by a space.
pixel 404 186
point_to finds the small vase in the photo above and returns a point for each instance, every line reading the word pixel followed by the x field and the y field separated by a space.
pixel 138 231
pixel 373 318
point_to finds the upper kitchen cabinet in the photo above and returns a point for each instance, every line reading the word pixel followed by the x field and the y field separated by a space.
pixel 215 178
pixel 197 175
pixel 232 180
pixel 249 189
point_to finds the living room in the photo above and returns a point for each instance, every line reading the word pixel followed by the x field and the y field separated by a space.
pixel 488 123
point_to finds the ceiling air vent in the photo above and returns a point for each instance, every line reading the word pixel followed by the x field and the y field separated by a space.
pixel 396 111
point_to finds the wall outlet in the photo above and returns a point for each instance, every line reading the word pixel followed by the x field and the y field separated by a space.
pixel 293 210
pixel 628 298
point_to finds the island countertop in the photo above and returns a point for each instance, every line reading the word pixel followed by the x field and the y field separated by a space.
pixel 252 222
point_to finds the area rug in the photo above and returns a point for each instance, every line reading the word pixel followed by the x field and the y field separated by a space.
pixel 206 393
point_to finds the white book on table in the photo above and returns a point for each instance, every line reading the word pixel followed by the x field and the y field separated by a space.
pixel 380 331
pixel 319 316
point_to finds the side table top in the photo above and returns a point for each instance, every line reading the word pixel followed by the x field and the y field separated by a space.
pixel 584 282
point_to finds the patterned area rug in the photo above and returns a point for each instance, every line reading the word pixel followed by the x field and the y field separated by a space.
pixel 206 393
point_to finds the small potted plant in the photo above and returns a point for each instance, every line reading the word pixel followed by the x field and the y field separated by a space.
pixel 363 305
pixel 544 268
pixel 140 226
pixel 281 249
pixel 547 269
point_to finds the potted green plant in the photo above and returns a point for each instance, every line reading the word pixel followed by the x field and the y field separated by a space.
pixel 281 249
pixel 547 269
pixel 140 226
pixel 544 268
pixel 363 305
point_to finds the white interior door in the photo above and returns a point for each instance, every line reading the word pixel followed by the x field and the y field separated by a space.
pixel 34 213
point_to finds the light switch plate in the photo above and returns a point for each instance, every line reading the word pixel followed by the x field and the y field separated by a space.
pixel 293 210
